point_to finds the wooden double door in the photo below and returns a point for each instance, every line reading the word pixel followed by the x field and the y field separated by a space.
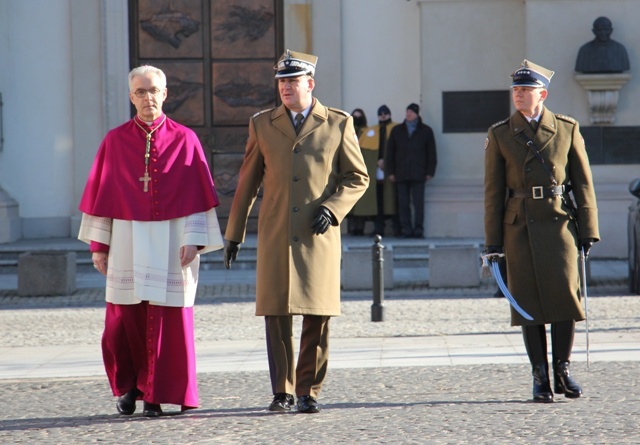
pixel 218 56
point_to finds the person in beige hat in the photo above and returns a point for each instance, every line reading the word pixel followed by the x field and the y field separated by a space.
pixel 306 158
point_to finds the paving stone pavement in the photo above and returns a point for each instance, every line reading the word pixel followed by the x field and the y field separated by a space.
pixel 483 403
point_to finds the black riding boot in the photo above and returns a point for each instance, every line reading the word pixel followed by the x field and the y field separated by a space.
pixel 535 341
pixel 562 342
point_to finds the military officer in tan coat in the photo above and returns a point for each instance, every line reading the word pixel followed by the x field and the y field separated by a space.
pixel 535 225
pixel 307 159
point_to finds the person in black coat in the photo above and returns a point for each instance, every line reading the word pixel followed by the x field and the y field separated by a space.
pixel 411 162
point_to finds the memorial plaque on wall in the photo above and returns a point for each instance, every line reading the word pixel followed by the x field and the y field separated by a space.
pixel 473 111
pixel 612 145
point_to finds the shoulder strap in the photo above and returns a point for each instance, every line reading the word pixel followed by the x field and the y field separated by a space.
pixel 529 143
pixel 571 210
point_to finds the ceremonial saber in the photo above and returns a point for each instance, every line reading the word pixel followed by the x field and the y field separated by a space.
pixel 492 258
pixel 583 270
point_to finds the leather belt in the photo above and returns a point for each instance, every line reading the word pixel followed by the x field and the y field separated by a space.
pixel 537 192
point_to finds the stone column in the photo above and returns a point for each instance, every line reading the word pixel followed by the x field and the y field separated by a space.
pixel 10 224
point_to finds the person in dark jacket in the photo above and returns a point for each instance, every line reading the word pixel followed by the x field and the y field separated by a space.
pixel 411 162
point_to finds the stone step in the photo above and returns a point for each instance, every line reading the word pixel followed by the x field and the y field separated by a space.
pixel 406 253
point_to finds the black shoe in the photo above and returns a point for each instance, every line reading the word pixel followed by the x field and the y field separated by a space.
pixel 307 404
pixel 151 410
pixel 541 385
pixel 281 402
pixel 126 403
pixel 564 383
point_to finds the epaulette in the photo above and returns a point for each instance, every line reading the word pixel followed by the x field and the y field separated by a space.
pixel 564 117
pixel 497 124
pixel 263 111
pixel 337 110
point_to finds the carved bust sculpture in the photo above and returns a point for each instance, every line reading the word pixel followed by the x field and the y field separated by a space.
pixel 602 54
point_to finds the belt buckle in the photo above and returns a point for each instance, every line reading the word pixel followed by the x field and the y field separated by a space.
pixel 538 192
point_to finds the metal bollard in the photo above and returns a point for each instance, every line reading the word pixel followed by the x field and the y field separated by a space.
pixel 377 259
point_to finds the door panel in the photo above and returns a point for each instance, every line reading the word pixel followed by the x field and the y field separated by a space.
pixel 218 57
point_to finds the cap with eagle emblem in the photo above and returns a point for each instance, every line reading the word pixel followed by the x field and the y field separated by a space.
pixel 531 75
pixel 294 64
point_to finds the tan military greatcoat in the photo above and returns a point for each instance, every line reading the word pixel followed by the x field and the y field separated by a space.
pixel 540 240
pixel 298 272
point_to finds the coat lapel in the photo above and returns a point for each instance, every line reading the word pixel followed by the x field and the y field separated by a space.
pixel 521 131
pixel 317 116
pixel 282 121
pixel 547 129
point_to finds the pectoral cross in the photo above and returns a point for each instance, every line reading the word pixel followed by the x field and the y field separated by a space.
pixel 146 178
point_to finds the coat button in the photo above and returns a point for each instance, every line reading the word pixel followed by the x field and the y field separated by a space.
pixel 295 238
pixel 555 218
pixel 296 150
pixel 531 220
pixel 528 169
pixel 296 179
pixel 295 209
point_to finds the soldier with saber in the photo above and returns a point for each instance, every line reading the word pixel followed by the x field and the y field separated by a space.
pixel 533 161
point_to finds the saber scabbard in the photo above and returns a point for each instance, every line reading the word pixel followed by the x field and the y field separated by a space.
pixel 491 260
pixel 583 279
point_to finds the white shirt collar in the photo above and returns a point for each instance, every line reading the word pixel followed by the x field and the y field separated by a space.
pixel 304 113
pixel 534 118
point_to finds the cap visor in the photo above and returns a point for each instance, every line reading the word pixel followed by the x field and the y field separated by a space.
pixel 526 83
pixel 290 73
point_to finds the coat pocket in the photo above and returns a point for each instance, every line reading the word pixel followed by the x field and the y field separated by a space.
pixel 509 217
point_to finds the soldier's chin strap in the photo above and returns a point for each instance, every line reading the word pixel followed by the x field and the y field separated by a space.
pixel 490 260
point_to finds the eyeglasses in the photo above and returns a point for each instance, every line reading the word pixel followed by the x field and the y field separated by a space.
pixel 141 92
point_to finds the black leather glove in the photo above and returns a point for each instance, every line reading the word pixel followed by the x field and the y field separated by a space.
pixel 322 220
pixel 586 244
pixel 231 249
pixel 494 249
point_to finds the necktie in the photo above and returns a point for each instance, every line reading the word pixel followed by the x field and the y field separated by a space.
pixel 299 117
pixel 534 124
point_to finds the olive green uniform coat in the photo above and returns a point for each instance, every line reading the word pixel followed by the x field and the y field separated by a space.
pixel 539 237
pixel 298 272
pixel 368 204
